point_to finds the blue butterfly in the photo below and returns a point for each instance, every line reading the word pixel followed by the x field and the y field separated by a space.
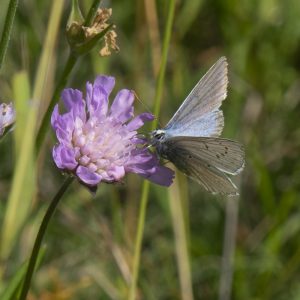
pixel 191 140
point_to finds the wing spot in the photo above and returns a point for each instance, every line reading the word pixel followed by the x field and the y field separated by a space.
pixel 190 156
pixel 223 154
pixel 218 156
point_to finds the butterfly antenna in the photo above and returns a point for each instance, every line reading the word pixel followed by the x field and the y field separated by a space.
pixel 145 106
pixel 147 141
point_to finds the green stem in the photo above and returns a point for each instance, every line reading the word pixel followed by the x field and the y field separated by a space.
pixel 138 241
pixel 163 63
pixel 61 84
pixel 11 11
pixel 40 235
pixel 92 13
pixel 146 185
pixel 180 236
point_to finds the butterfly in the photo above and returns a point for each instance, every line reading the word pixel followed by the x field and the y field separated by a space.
pixel 191 140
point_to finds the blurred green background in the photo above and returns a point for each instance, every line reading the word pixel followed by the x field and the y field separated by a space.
pixel 90 241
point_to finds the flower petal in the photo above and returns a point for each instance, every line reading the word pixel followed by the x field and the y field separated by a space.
pixel 117 172
pixel 64 122
pixel 97 100
pixel 54 117
pixel 7 115
pixel 105 82
pixel 74 102
pixel 63 126
pixel 139 121
pixel 162 176
pixel 64 157
pixel 87 176
pixel 146 164
pixel 141 158
pixel 97 95
pixel 122 109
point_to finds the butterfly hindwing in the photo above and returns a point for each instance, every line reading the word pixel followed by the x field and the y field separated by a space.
pixel 206 160
pixel 212 179
pixel 226 155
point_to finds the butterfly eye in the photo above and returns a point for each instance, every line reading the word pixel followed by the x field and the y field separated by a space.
pixel 158 135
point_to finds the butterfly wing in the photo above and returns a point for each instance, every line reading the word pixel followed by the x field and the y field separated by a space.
pixel 199 114
pixel 206 160
pixel 212 179
pixel 226 155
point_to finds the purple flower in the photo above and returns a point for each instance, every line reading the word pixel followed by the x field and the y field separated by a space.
pixel 101 144
pixel 7 117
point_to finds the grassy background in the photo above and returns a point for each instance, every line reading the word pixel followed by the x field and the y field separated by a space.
pixel 90 242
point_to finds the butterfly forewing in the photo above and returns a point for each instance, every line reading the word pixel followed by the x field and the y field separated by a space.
pixel 204 99
pixel 210 124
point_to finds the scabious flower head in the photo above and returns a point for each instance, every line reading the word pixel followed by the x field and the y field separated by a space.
pixel 7 117
pixel 100 144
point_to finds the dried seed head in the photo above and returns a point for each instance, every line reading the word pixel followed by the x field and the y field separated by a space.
pixel 110 44
pixel 84 38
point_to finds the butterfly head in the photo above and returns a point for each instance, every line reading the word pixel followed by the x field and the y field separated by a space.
pixel 157 136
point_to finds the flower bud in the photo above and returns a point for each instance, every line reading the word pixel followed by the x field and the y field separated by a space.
pixel 7 118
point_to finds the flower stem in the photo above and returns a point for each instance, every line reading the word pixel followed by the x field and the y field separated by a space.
pixel 61 84
pixel 146 184
pixel 40 235
pixel 138 241
pixel 229 247
pixel 11 11
pixel 163 63
pixel 179 221
pixel 92 13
